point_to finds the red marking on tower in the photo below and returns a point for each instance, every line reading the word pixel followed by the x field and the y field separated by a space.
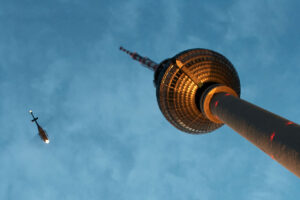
pixel 227 94
pixel 272 136
pixel 288 123
pixel 272 157
pixel 216 103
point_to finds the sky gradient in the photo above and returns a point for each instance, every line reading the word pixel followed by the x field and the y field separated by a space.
pixel 108 138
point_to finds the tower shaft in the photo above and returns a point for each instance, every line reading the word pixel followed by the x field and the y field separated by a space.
pixel 276 136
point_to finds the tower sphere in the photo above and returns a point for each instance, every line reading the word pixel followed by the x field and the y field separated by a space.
pixel 182 81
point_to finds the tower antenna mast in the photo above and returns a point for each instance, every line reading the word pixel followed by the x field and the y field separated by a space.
pixel 146 62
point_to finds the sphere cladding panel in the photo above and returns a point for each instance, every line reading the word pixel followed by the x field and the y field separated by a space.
pixel 177 87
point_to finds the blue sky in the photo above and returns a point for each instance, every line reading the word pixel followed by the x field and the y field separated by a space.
pixel 108 139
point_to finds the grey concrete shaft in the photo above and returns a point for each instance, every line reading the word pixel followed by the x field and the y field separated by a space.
pixel 276 136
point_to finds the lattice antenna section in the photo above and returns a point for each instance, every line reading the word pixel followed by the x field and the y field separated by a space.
pixel 147 62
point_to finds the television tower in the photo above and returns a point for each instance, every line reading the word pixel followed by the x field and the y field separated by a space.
pixel 198 90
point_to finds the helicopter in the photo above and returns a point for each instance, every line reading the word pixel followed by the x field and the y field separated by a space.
pixel 42 133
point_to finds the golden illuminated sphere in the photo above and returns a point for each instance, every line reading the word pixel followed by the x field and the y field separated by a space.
pixel 180 82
